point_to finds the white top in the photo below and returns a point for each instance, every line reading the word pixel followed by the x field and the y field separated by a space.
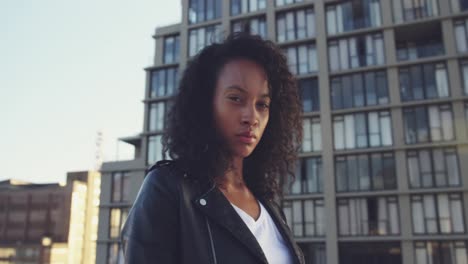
pixel 268 236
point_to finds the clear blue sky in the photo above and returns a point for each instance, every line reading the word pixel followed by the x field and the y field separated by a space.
pixel 67 70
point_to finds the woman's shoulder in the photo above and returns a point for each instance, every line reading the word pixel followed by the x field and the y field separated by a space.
pixel 165 174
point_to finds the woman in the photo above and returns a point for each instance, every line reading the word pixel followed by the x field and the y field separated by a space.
pixel 232 135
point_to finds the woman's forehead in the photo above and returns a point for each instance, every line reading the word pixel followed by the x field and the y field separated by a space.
pixel 243 73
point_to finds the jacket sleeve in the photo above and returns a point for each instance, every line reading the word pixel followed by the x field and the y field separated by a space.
pixel 150 233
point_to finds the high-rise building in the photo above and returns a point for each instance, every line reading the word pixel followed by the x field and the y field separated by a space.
pixel 50 223
pixel 383 170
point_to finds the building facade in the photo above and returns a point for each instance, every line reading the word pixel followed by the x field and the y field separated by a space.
pixel 383 170
pixel 50 223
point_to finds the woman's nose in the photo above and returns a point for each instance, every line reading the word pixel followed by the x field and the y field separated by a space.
pixel 249 116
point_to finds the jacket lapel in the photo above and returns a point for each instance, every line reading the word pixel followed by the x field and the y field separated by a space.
pixel 215 205
pixel 284 230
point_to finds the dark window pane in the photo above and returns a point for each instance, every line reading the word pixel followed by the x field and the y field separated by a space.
pixel 336 94
pixel 116 187
pixel 369 253
pixel 377 172
pixel 358 90
pixel 347 91
pixel 416 83
pixel 430 81
pixel 410 126
pixel 341 179
pixel 405 86
pixel 352 174
pixel 422 124
pixel 389 172
pixel 371 97
pixel 382 90
pixel 126 187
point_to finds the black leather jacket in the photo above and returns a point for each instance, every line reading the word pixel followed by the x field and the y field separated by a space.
pixel 175 220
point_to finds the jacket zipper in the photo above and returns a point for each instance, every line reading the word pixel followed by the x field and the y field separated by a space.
pixel 211 241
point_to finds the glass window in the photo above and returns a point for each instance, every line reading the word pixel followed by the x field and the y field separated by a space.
pixel 359 89
pixel 246 6
pixel 459 5
pixel 115 254
pixel 120 187
pixel 352 15
pixel 314 252
pixel 156 116
pixel 302 59
pixel 154 149
pixel 171 49
pixel 464 73
pixel 433 168
pixel 371 216
pixel 437 213
pixel 308 177
pixel 203 10
pixel 309 94
pixel 293 25
pixel 256 26
pixel 428 123
pixel 118 216
pixel 369 252
pixel 362 130
pixel 408 10
pixel 163 82
pixel 201 37
pixel 305 217
pixel 287 2
pixel 312 135
pixel 427 43
pixel 461 35
pixel 365 172
pixel 446 252
pixel 423 81
pixel 355 52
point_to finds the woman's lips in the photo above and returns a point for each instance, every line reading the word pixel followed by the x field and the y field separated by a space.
pixel 246 139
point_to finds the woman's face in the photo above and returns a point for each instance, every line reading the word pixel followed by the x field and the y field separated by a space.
pixel 241 106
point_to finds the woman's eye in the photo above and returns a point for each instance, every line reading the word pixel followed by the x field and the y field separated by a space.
pixel 264 105
pixel 235 98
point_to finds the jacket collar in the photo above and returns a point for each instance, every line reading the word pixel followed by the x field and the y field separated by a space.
pixel 215 205
pixel 283 228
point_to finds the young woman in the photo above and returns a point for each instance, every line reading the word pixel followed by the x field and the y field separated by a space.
pixel 232 135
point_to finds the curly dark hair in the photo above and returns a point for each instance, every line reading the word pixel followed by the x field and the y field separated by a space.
pixel 190 136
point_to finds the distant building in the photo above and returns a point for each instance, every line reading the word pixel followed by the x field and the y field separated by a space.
pixel 50 223
pixel 383 170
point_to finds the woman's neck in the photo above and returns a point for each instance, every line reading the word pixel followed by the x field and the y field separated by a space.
pixel 233 178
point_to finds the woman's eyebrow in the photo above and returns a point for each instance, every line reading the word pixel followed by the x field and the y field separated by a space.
pixel 237 87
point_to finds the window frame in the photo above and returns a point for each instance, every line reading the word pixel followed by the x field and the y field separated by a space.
pixel 160 88
pixel 124 178
pixel 437 218
pixel 198 8
pixel 261 30
pixel 422 69
pixel 373 229
pixel 201 37
pixel 305 178
pixel 385 159
pixel 416 121
pixel 446 152
pixel 338 88
pixel 351 140
pixel 174 52
pixel 340 29
pixel 309 27
pixel 299 226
